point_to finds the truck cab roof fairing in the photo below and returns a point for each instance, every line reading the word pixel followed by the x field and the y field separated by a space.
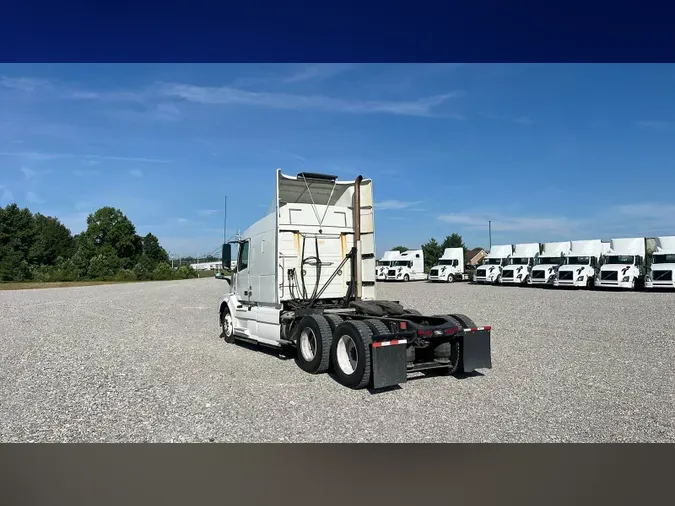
pixel 294 190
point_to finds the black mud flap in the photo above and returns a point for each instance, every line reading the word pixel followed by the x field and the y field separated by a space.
pixel 476 351
pixel 388 358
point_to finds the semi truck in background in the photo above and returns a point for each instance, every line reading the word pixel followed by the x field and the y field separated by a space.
pixel 624 264
pixel 517 271
pixel 490 271
pixel 581 266
pixel 550 259
pixel 660 273
pixel 305 280
pixel 384 263
pixel 408 266
pixel 450 267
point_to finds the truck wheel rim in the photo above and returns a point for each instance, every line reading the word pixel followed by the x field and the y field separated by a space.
pixel 347 355
pixel 227 324
pixel 308 344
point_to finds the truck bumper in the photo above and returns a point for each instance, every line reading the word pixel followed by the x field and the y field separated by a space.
pixel 513 281
pixel 613 284
pixel 571 283
pixel 389 356
pixel 659 284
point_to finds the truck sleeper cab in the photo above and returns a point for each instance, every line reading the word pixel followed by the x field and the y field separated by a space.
pixel 624 264
pixel 305 280
pixel 409 266
pixel 661 271
pixel 517 270
pixel 450 267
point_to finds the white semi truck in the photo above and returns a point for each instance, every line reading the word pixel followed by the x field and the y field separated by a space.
pixel 490 271
pixel 408 266
pixel 624 264
pixel 660 273
pixel 550 259
pixel 450 266
pixel 384 263
pixel 305 279
pixel 581 266
pixel 517 271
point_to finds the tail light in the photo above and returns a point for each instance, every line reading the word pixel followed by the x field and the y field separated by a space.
pixel 425 333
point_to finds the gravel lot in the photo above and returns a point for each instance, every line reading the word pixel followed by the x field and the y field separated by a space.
pixel 143 362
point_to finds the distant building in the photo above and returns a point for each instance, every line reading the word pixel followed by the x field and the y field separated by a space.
pixel 474 256
pixel 207 266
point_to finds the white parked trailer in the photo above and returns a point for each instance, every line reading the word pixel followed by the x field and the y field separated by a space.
pixel 517 271
pixel 490 270
pixel 384 263
pixel 550 259
pixel 305 278
pixel 581 266
pixel 661 272
pixel 450 267
pixel 624 264
pixel 409 266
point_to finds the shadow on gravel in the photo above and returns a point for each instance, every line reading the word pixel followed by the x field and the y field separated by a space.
pixel 281 354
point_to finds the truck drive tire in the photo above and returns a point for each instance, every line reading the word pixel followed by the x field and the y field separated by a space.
pixel 313 343
pixel 377 327
pixel 333 321
pixel 350 353
pixel 413 311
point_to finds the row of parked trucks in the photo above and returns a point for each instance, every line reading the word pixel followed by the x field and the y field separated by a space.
pixel 409 266
pixel 619 263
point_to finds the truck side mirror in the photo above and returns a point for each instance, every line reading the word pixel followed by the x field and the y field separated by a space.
pixel 227 255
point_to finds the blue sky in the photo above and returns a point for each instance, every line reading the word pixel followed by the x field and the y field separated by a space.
pixel 547 152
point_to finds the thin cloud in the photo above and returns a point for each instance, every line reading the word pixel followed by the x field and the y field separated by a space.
pixel 34 198
pixel 523 120
pixel 478 221
pixel 136 173
pixel 234 96
pixel 319 71
pixel 39 156
pixel 654 124
pixel 207 212
pixel 395 204
pixel 28 172
pixel 24 84
pixel 181 220
pixel 6 195
pixel 86 172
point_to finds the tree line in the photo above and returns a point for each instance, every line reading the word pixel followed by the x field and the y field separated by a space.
pixel 35 247
pixel 433 250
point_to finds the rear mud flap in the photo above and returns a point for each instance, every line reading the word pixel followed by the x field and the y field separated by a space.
pixel 476 351
pixel 388 363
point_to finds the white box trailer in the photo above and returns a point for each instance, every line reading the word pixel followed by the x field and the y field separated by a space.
pixel 519 267
pixel 623 265
pixel 384 263
pixel 409 266
pixel 550 259
pixel 305 280
pixel 490 270
pixel 450 267
pixel 581 265
pixel 660 273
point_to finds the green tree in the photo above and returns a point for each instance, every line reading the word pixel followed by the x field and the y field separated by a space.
pixel 103 266
pixel 432 252
pixel 110 227
pixel 399 248
pixel 453 241
pixel 162 271
pixel 52 240
pixel 153 250
pixel 17 235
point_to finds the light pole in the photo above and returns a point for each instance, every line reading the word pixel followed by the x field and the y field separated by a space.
pixel 490 233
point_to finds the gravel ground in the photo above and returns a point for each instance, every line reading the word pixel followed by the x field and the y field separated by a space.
pixel 143 362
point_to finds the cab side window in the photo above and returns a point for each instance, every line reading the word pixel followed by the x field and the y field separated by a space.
pixel 243 257
pixel 455 263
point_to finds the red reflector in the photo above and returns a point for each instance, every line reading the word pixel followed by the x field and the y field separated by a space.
pixel 424 333
pixel 487 327
pixel 403 325
pixel 451 330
